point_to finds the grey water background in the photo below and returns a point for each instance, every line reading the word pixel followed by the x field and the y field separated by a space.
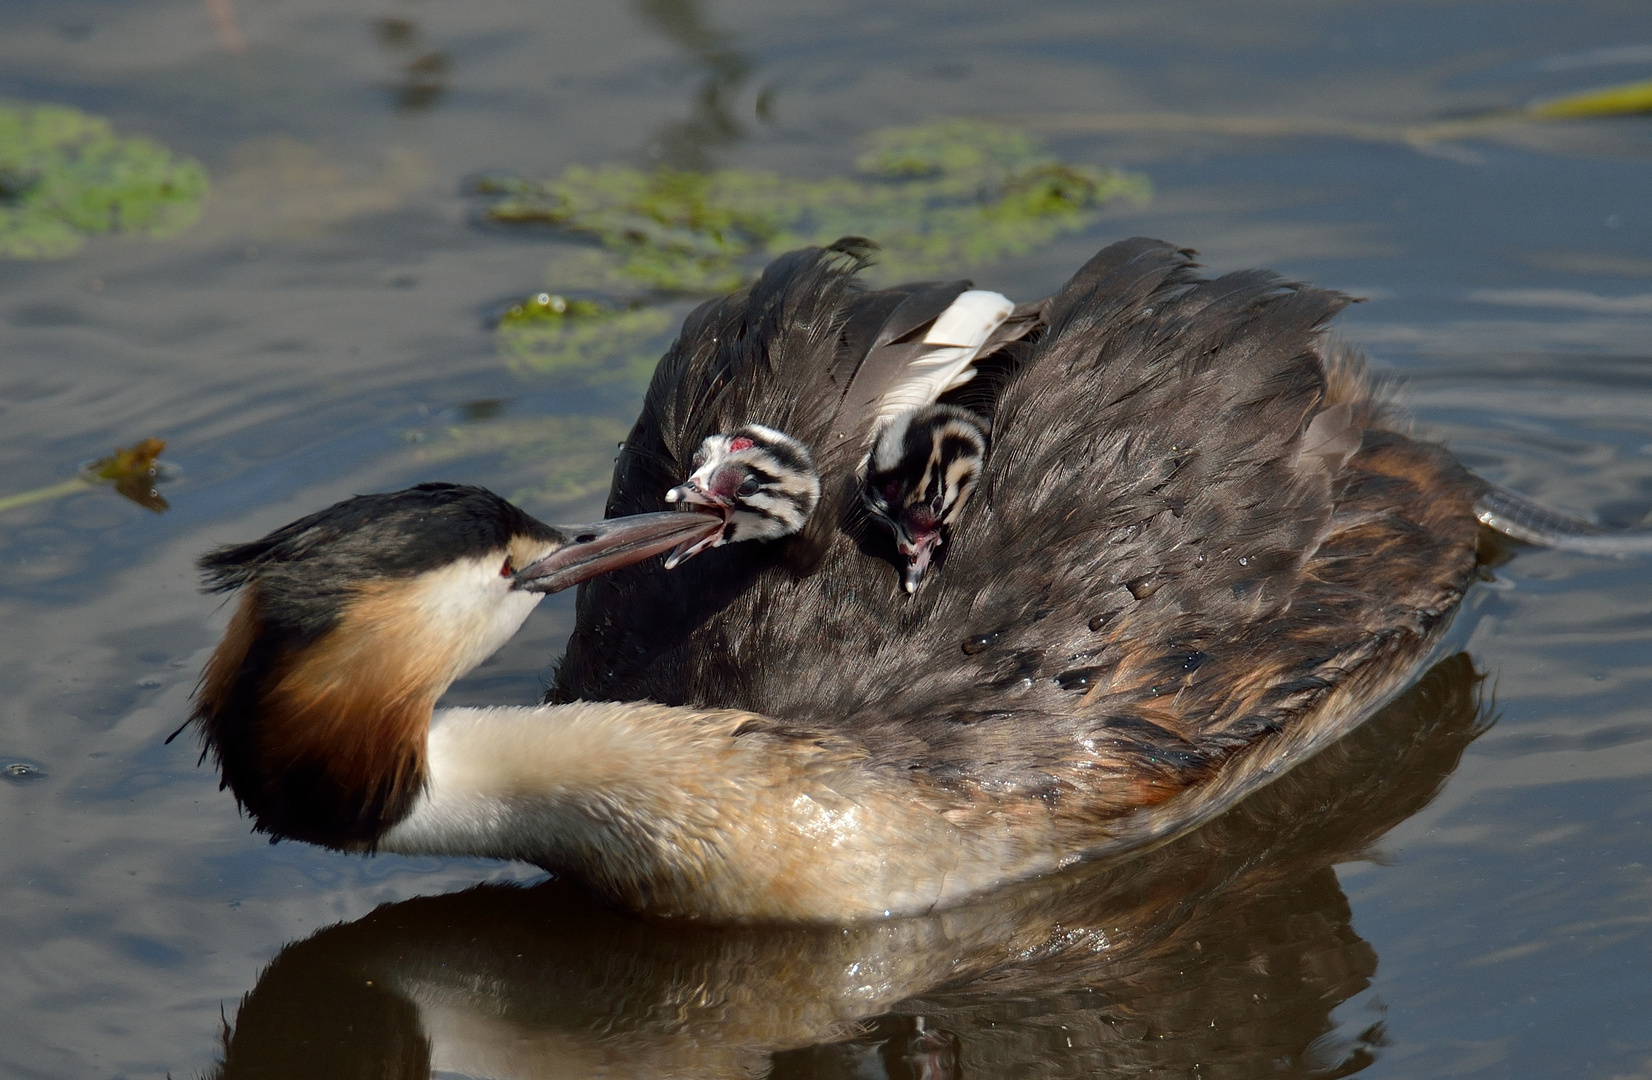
pixel 331 307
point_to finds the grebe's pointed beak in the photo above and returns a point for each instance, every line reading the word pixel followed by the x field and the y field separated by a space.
pixel 589 550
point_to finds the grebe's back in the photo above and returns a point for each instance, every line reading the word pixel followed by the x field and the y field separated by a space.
pixel 1200 532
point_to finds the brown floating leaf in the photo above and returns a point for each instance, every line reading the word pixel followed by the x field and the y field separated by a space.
pixel 129 461
pixel 134 471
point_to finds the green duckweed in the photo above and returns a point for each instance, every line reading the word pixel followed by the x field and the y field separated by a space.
pixel 581 341
pixel 936 198
pixel 65 175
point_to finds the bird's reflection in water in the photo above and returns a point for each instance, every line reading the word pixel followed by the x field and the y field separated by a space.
pixel 1225 951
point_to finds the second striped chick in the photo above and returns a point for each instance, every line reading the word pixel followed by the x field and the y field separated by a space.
pixel 922 470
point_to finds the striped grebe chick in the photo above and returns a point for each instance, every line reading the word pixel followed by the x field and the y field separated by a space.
pixel 761 481
pixel 922 470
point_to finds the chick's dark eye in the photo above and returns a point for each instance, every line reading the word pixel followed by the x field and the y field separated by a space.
pixel 749 486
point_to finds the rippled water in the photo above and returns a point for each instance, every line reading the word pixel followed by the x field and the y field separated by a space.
pixel 326 324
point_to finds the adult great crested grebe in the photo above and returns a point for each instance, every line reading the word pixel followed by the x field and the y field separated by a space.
pixel 1199 553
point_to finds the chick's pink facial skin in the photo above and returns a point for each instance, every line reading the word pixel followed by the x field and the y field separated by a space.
pixel 714 486
pixel 718 481
pixel 733 480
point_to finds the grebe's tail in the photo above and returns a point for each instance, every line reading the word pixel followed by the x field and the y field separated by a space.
pixel 1518 517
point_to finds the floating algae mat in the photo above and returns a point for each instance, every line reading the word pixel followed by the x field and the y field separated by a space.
pixel 582 339
pixel 65 175
pixel 935 199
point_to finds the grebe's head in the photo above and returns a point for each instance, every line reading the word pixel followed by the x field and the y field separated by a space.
pixel 762 481
pixel 923 468
pixel 354 620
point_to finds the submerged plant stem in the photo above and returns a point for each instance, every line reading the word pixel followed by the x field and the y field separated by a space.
pixel 45 494
pixel 1625 100
pixel 133 470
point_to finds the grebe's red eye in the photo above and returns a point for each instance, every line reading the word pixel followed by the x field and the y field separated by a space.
pixel 740 443
pixel 507 570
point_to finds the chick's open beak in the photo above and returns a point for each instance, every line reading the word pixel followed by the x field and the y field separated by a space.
pixel 918 552
pixel 602 546
pixel 692 495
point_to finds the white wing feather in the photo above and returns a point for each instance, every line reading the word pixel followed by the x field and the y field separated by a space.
pixel 958 334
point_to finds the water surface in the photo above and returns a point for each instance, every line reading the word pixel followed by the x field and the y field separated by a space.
pixel 1467 891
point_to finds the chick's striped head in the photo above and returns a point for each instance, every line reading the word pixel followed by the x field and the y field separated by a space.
pixel 761 480
pixel 923 468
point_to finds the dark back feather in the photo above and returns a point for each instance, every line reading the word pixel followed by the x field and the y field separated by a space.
pixel 1161 567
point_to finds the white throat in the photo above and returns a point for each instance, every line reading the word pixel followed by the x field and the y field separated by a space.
pixel 473 604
